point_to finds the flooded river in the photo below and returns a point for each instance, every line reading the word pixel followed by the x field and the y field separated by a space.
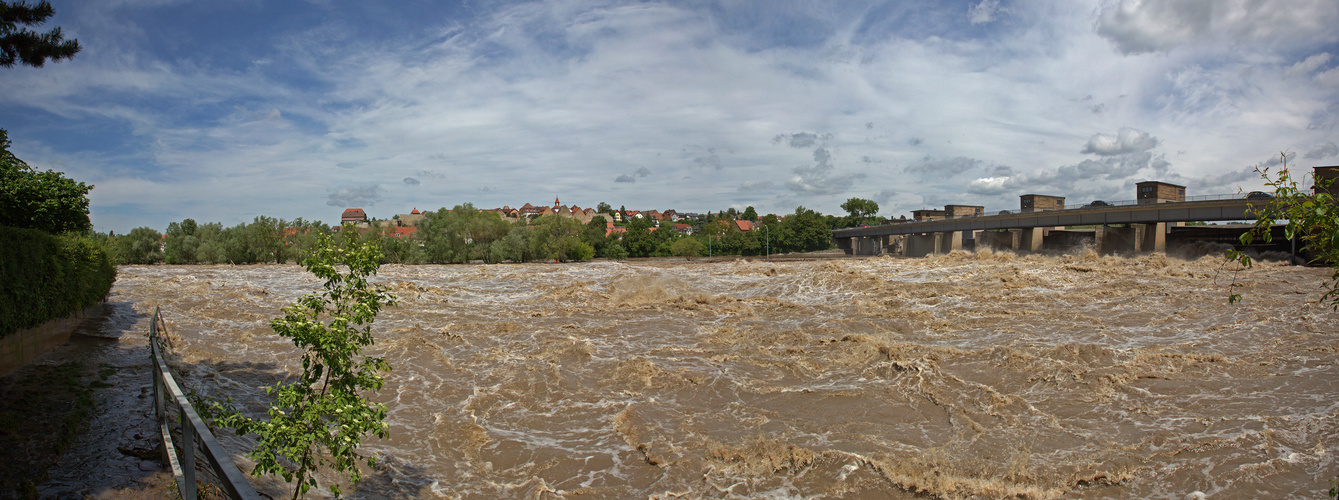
pixel 967 375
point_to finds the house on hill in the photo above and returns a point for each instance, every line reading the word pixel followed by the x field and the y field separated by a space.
pixel 355 216
pixel 410 219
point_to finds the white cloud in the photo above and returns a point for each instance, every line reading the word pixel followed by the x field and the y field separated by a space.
pixel 988 186
pixel 983 12
pixel 544 99
pixel 1140 26
pixel 1306 66
pixel 1329 78
pixel 1322 152
pixel 1128 140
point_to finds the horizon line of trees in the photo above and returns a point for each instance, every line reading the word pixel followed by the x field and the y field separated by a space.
pixel 466 234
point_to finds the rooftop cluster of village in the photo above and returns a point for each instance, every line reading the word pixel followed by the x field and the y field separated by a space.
pixel 402 225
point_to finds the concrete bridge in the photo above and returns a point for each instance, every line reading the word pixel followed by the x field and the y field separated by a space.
pixel 1116 227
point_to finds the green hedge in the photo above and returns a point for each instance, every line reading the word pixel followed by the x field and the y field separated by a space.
pixel 44 277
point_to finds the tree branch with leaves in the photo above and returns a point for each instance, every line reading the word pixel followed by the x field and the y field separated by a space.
pixel 321 418
pixel 1311 217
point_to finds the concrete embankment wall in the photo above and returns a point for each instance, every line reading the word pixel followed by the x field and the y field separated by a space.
pixel 25 345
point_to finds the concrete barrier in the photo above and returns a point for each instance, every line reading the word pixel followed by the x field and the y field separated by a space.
pixel 23 346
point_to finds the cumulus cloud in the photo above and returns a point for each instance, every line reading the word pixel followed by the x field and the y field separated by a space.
pixel 822 178
pixel 946 168
pixel 355 196
pixel 1329 78
pixel 625 178
pixel 1142 26
pixel 1128 140
pixel 1306 66
pixel 1079 180
pixel 411 181
pixel 643 172
pixel 1322 152
pixel 989 186
pixel 983 12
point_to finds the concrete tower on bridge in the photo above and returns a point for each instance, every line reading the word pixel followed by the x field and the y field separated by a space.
pixel 1029 203
pixel 1159 192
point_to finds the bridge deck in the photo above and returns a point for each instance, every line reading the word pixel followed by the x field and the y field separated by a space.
pixel 1213 210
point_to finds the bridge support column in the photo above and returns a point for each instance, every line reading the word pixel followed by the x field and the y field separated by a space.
pixel 1153 237
pixel 1110 240
pixel 939 243
pixel 1032 238
pixel 954 241
pixel 918 245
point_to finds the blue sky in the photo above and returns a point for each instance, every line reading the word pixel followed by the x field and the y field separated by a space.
pixel 226 110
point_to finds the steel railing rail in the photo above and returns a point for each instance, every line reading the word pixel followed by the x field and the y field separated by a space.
pixel 193 431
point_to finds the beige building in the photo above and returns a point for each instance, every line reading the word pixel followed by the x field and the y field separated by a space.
pixel 1159 192
pixel 928 215
pixel 1040 203
pixel 955 211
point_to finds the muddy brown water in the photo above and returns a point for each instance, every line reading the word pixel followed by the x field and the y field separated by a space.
pixel 967 375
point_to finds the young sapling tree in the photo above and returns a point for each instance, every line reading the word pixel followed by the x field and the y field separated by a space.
pixel 320 418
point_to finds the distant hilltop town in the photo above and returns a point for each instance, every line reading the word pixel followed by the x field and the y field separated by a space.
pixel 402 225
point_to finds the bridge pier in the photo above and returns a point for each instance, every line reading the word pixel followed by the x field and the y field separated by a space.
pixel 919 245
pixel 1031 238
pixel 1151 237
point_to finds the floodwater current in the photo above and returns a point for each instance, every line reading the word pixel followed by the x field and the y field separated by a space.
pixel 980 375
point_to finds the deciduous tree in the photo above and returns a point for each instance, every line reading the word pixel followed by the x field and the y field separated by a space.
pixel 46 201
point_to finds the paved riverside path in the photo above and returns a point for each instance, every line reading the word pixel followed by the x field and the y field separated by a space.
pixel 116 454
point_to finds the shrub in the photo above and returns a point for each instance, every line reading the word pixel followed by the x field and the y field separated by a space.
pixel 45 277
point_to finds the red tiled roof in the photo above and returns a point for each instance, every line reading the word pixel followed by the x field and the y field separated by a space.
pixel 403 232
pixel 353 214
pixel 744 225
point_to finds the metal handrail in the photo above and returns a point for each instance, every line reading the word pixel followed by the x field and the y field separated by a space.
pixel 193 430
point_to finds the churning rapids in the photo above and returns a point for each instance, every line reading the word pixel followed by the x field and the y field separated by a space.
pixel 967 375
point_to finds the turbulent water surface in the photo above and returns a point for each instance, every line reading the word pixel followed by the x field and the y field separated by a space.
pixel 964 375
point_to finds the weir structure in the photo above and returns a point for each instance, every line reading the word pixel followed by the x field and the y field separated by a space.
pixel 1126 226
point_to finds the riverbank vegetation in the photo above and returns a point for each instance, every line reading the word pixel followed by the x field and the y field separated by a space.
pixel 466 234
pixel 50 267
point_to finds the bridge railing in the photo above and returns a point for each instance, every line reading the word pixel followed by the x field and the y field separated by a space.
pixel 167 394
pixel 1092 205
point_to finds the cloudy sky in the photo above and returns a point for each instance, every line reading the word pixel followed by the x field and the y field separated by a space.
pixel 229 109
